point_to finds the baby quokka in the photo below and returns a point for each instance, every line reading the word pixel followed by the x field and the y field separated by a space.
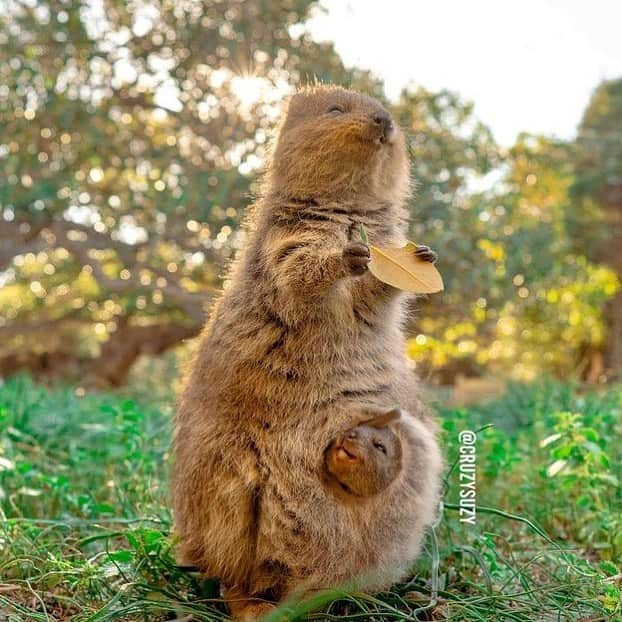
pixel 366 459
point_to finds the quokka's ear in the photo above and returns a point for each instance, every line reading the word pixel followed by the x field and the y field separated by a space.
pixel 384 419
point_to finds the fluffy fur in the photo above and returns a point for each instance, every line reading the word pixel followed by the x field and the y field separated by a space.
pixel 296 344
pixel 365 459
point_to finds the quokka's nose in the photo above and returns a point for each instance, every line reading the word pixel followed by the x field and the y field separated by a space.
pixel 352 435
pixel 384 122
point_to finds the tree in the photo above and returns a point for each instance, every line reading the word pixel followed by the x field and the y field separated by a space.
pixel 450 149
pixel 597 221
pixel 520 298
pixel 132 135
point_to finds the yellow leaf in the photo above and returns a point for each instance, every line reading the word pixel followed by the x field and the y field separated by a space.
pixel 401 268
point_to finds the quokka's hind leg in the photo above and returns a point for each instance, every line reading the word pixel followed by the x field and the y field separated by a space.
pixel 245 608
pixel 265 588
pixel 216 503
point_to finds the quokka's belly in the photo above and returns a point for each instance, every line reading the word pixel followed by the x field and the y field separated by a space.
pixel 305 528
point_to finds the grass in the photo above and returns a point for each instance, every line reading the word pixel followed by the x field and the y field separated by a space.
pixel 85 524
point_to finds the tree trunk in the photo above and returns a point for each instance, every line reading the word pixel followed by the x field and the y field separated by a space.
pixel 613 314
pixel 127 343
pixel 111 367
pixel 611 200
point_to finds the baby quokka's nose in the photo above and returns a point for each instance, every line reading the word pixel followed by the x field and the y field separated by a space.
pixel 385 124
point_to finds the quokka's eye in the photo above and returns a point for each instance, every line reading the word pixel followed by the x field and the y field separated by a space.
pixel 380 447
pixel 336 110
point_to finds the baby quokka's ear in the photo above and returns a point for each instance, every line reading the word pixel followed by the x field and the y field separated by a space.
pixel 384 419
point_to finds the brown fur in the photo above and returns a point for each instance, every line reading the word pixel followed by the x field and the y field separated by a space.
pixel 297 344
pixel 366 459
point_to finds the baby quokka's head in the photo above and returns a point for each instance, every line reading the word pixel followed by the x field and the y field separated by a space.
pixel 335 144
pixel 367 458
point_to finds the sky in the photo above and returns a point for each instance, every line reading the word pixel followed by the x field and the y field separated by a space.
pixel 528 66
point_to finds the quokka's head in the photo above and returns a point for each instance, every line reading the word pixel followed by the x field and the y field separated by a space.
pixel 366 459
pixel 333 144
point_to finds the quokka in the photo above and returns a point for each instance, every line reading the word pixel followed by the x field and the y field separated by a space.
pixel 302 340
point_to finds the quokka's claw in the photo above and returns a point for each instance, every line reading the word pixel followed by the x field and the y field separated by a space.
pixel 426 254
pixel 356 256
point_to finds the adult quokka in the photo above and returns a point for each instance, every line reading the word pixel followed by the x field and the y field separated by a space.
pixel 302 339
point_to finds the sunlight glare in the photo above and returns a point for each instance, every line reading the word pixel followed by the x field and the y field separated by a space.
pixel 250 89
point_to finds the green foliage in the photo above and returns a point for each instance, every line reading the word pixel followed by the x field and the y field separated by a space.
pixel 596 223
pixel 85 530
pixel 598 149
pixel 584 472
pixel 519 296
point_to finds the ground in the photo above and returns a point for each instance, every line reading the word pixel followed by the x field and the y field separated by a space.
pixel 85 523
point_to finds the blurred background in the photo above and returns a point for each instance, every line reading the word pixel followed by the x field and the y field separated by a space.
pixel 133 133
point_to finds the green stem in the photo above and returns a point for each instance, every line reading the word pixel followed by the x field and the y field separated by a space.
pixel 363 233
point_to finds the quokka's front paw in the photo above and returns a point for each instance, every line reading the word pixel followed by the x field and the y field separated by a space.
pixel 356 258
pixel 426 253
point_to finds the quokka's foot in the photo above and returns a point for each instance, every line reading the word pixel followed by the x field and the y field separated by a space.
pixel 244 608
pixel 252 611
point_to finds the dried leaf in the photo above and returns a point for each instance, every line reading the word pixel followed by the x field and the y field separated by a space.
pixel 401 268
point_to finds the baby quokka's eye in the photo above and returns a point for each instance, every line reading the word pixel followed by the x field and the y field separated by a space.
pixel 380 447
pixel 336 110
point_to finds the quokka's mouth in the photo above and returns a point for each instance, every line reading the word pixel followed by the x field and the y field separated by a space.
pixel 389 137
pixel 346 454
pixel 385 139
